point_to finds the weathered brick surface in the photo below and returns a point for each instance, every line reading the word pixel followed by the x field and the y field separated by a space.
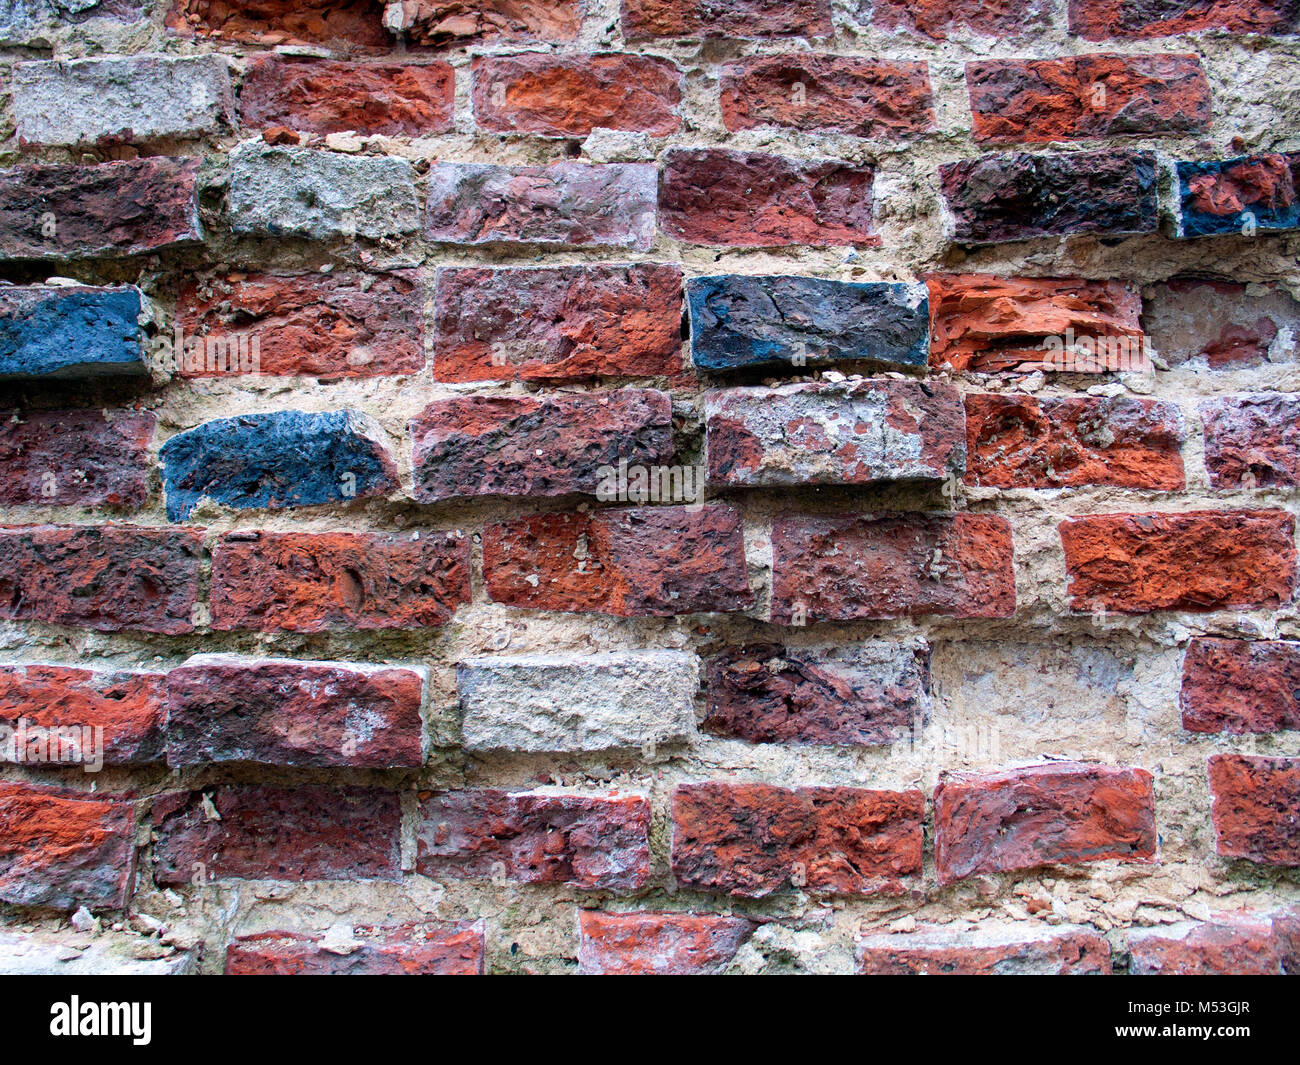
pixel 1097 20
pixel 222 708
pixel 130 708
pixel 751 840
pixel 730 18
pixel 1199 561
pixel 1000 198
pixel 990 949
pixel 282 459
pixel 86 457
pixel 988 324
pixel 853 433
pixel 332 96
pixel 320 582
pixel 442 22
pixel 341 324
pixel 750 199
pixel 590 703
pixel 409 950
pixel 738 321
pixel 891 566
pixel 344 24
pixel 1056 814
pixel 77 331
pixel 271 833
pixel 557 324
pixel 1251 324
pixel 594 842
pixel 1236 945
pixel 48 952
pixel 1245 196
pixel 1252 441
pixel 519 446
pixel 300 192
pixel 1042 100
pixel 657 944
pixel 828 94
pixel 61 849
pixel 1023 442
pixel 569 96
pixel 31 21
pixel 1257 808
pixel 565 204
pixel 128 99
pixel 871 694
pixel 108 578
pixel 941 19
pixel 59 211
pixel 1241 686
pixel 629 562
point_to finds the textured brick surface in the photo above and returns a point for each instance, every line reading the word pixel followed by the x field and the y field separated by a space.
pixel 871 694
pixel 75 456
pixel 442 22
pixel 629 562
pixel 222 708
pixel 1241 685
pixel 342 23
pixel 729 18
pixel 594 842
pixel 1238 945
pixel 1207 560
pixel 834 434
pixel 1257 808
pixel 1252 441
pixel 1251 324
pixel 1244 196
pixel 891 566
pixel 750 199
pixel 657 944
pixel 1059 813
pixel 70 332
pixel 413 950
pixel 989 950
pixel 1097 20
pixel 318 582
pixel 751 840
pixel 31 21
pixel 942 19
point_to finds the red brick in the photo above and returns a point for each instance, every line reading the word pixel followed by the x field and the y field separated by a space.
pixel 62 849
pixel 629 562
pixel 452 22
pixel 1257 808
pixel 726 18
pixel 322 582
pixel 570 95
pixel 1064 813
pixel 1265 944
pixel 891 566
pixel 303 833
pixel 987 324
pixel 404 950
pixel 128 706
pixel 594 842
pixel 1077 97
pixel 828 94
pixel 871 693
pixel 1241 686
pixel 988 949
pixel 1252 441
pixel 1250 325
pixel 280 712
pixel 345 24
pixel 76 457
pixel 1198 561
pixel 557 324
pixel 657 944
pixel 329 96
pixel 57 211
pixel 751 840
pixel 108 578
pixel 1016 441
pixel 748 199
pixel 520 446
pixel 1097 20
pixel 938 19
pixel 341 324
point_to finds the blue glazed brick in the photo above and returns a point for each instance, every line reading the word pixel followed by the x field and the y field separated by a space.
pixel 284 459
pixel 1246 195
pixel 47 331
pixel 738 321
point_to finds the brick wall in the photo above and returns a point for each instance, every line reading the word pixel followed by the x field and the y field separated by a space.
pixel 650 487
